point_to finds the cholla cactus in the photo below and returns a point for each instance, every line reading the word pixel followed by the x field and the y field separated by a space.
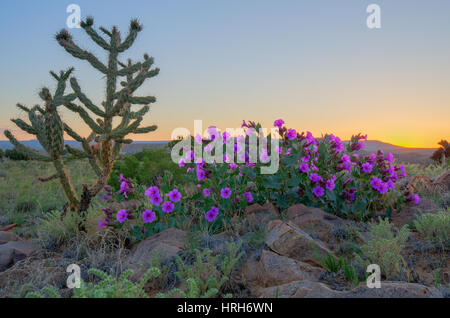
pixel 47 126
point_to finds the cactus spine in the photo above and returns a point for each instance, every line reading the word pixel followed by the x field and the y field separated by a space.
pixel 47 126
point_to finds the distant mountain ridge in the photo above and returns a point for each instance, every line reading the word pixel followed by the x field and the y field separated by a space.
pixel 417 155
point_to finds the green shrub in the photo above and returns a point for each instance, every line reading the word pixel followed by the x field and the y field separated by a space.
pixel 13 154
pixel 145 167
pixel 206 277
pixel 56 230
pixel 384 247
pixel 434 227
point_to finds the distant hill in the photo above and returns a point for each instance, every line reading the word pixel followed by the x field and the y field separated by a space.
pixel 415 155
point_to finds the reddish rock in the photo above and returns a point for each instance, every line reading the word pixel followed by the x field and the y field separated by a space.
pixel 314 220
pixel 14 251
pixel 6 237
pixel 409 212
pixel 163 245
pixel 259 216
pixel 285 238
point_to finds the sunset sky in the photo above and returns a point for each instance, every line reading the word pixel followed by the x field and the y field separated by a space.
pixel 313 63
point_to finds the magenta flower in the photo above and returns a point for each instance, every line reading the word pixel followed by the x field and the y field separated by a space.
pixel 152 191
pixel 304 168
pixel 248 196
pixel 232 166
pixel 376 183
pixel 366 167
pixel 174 195
pixel 201 174
pixel 206 192
pixel 416 198
pixel 121 215
pixel 156 199
pixel 225 193
pixel 181 163
pixel 314 177
pixel 278 123
pixel 167 207
pixel 390 157
pixel 291 134
pixel 330 185
pixel 318 191
pixel 210 216
pixel 101 224
pixel 124 188
pixel 148 216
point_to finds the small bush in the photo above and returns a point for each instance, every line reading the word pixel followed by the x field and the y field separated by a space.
pixel 55 230
pixel 13 154
pixel 25 206
pixel 384 247
pixel 434 227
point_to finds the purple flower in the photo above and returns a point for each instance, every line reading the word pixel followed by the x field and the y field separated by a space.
pixel 174 195
pixel 225 193
pixel 291 134
pixel 148 216
pixel 152 191
pixel 232 166
pixel 121 215
pixel 390 157
pixel 314 177
pixel 383 188
pixel 416 198
pixel 206 192
pixel 124 188
pixel 366 167
pixel 156 199
pixel 106 198
pixel 248 196
pixel 201 174
pixel 318 191
pixel 304 167
pixel 330 185
pixel 181 163
pixel 278 123
pixel 210 216
pixel 167 207
pixel 101 224
pixel 376 183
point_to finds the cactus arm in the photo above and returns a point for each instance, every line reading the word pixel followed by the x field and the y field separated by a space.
pixel 85 116
pixel 135 28
pixel 141 100
pixel 87 26
pixel 24 126
pixel 84 99
pixel 144 130
pixel 24 149
pixel 77 153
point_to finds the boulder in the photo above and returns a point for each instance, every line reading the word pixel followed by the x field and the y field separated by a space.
pixel 14 251
pixel 272 269
pixel 163 245
pixel 443 181
pixel 394 290
pixel 307 289
pixel 299 289
pixel 6 237
pixel 314 221
pixel 286 239
pixel 259 216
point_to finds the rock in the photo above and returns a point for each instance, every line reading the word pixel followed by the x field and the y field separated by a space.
pixel 6 237
pixel 394 290
pixel 299 289
pixel 307 289
pixel 408 214
pixel 314 220
pixel 443 180
pixel 259 216
pixel 281 270
pixel 285 239
pixel 14 251
pixel 163 245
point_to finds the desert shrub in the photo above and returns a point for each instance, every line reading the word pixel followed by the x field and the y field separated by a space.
pixel 25 206
pixel 443 153
pixel 206 277
pixel 434 227
pixel 1 154
pixel 13 154
pixel 384 247
pixel 145 167
pixel 319 172
pixel 54 230
pixel 108 287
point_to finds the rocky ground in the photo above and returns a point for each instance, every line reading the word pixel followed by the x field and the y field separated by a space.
pixel 281 257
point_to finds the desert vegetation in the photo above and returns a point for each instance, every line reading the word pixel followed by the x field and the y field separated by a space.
pixel 144 226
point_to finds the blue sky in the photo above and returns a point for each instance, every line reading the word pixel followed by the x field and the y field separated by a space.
pixel 313 63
